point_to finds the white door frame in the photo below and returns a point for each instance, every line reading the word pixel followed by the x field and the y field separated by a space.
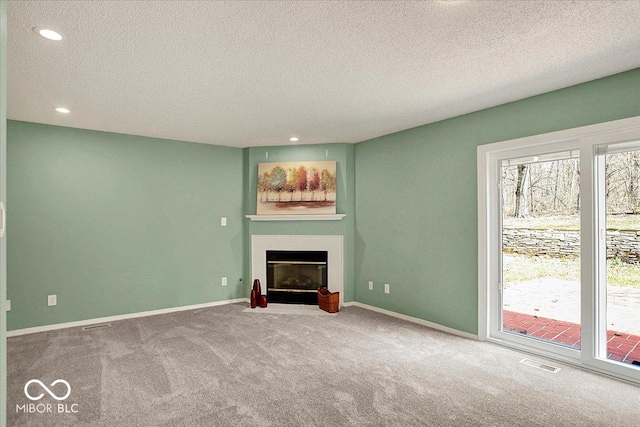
pixel 586 139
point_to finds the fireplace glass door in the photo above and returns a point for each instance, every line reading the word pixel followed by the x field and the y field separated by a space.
pixel 295 276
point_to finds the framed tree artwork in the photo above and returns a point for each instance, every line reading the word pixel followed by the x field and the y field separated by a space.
pixel 297 188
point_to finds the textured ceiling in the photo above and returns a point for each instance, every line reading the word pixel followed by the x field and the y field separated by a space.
pixel 255 73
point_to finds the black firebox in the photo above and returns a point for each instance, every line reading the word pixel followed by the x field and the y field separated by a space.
pixel 294 276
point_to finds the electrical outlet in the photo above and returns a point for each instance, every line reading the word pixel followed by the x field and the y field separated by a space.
pixel 52 300
pixel 386 288
pixel 224 281
pixel 8 306
pixel 370 285
pixel 223 221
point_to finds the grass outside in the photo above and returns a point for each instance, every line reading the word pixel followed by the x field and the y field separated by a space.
pixel 523 268
pixel 571 222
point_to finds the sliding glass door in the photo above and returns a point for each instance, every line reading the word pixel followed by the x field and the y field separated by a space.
pixel 617 172
pixel 559 246
pixel 540 203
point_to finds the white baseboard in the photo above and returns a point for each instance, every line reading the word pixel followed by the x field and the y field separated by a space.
pixel 413 319
pixel 87 322
pixel 93 321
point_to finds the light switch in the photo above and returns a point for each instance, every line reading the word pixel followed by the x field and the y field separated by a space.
pixel 223 221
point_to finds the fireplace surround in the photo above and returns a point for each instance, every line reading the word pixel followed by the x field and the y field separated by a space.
pixel 331 244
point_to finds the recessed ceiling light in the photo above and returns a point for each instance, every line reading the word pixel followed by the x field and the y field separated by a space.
pixel 62 110
pixel 293 139
pixel 47 34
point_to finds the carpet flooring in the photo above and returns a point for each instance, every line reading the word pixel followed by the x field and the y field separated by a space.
pixel 309 310
pixel 221 366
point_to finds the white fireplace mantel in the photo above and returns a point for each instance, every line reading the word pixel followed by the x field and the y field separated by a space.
pixel 336 217
pixel 333 244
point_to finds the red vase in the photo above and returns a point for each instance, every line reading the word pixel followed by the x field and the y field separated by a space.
pixel 263 301
pixel 254 298
pixel 256 286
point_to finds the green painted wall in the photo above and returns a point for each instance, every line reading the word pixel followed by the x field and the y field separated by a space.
pixel 3 189
pixel 117 224
pixel 416 203
pixel 343 154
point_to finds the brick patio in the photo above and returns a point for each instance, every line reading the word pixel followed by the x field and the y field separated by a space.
pixel 621 346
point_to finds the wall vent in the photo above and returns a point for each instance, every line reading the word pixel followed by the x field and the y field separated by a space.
pixel 99 326
pixel 544 366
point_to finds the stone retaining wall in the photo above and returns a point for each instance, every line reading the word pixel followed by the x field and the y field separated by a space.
pixel 621 244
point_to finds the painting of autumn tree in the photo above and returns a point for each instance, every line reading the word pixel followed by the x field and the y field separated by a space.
pixel 297 188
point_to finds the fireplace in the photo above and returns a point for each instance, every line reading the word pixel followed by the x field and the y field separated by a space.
pixel 294 276
pixel 331 244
